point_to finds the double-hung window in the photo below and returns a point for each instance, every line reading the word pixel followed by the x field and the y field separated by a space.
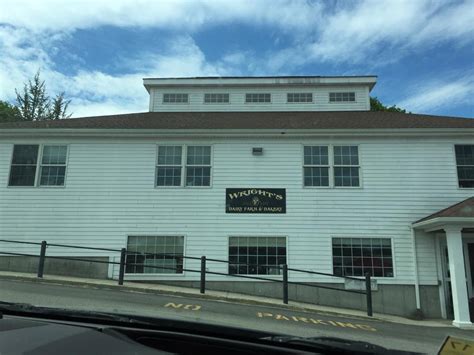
pixel 316 166
pixel 155 254
pixel 35 165
pixel 331 166
pixel 183 165
pixel 346 166
pixel 465 165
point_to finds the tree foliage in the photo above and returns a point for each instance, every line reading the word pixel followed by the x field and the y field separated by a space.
pixel 376 105
pixel 34 104
pixel 8 112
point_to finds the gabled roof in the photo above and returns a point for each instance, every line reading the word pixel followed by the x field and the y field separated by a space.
pixel 463 209
pixel 319 120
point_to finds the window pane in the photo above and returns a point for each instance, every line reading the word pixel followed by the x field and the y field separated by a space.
pixel 198 176
pixel 264 259
pixel 175 98
pixel 341 96
pixel 216 98
pixel 257 97
pixel 168 176
pixel 346 176
pixel 25 154
pixel 316 176
pixel 374 260
pixel 22 175
pixel 54 154
pixel 199 155
pixel 169 155
pixel 464 154
pixel 299 97
pixel 155 254
pixel 315 155
pixel 52 175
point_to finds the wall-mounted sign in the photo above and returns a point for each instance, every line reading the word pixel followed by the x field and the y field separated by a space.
pixel 255 200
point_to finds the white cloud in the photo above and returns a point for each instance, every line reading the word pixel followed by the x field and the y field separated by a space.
pixel 441 94
pixel 63 15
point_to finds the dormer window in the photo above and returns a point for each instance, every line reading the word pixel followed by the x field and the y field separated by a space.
pixel 257 98
pixel 216 98
pixel 299 97
pixel 175 98
pixel 342 97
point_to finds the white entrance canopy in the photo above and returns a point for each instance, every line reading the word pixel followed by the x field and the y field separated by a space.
pixel 453 220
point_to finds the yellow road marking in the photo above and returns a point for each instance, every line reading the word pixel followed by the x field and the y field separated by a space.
pixel 316 321
pixel 190 307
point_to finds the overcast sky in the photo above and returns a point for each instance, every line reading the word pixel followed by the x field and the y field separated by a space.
pixel 99 51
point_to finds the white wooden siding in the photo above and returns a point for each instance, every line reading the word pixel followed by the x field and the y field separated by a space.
pixel 110 194
pixel 278 99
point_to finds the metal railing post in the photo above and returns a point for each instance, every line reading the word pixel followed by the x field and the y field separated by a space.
pixel 123 254
pixel 203 274
pixel 285 284
pixel 368 293
pixel 42 258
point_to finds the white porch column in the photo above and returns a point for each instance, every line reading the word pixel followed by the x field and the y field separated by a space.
pixel 458 277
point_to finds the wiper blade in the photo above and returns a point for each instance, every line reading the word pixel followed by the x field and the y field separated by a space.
pixel 338 345
pixel 15 308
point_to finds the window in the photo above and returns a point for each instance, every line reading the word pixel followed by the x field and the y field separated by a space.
pixel 23 168
pixel 465 165
pixel 175 98
pixel 155 255
pixel 341 96
pixel 257 98
pixel 257 255
pixel 52 167
pixel 318 171
pixel 168 171
pixel 316 166
pixel 197 166
pixel 357 256
pixel 346 166
pixel 216 98
pixel 299 97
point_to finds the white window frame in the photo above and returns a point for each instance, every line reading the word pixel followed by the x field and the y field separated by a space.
pixel 39 165
pixel 258 236
pixel 154 275
pixel 342 93
pixel 299 102
pixel 258 93
pixel 318 166
pixel 216 103
pixel 184 165
pixel 181 166
pixel 456 166
pixel 390 279
pixel 175 102
pixel 346 166
pixel 331 166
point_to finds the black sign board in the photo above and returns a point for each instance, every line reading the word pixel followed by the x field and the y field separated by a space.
pixel 255 200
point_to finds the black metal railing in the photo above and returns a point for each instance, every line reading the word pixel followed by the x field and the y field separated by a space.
pixel 203 271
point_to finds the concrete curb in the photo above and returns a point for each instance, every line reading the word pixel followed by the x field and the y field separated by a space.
pixel 242 299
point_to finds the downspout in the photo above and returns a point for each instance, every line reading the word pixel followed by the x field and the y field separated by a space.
pixel 415 267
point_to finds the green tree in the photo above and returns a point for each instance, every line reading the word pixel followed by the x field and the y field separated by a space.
pixel 8 112
pixel 34 104
pixel 376 105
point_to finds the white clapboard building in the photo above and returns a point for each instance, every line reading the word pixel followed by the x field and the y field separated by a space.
pixel 259 171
